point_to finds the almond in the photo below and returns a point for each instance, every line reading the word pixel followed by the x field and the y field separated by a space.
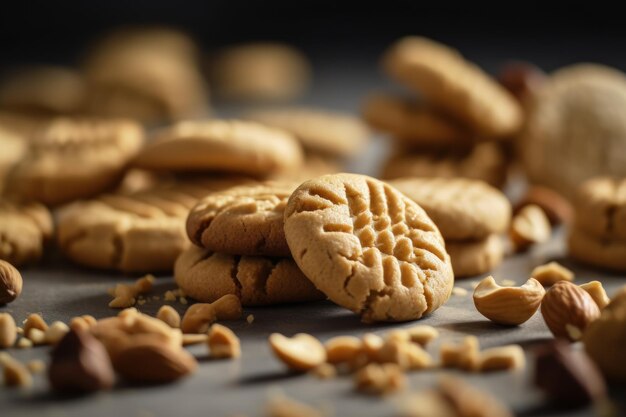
pixel 508 305
pixel 568 309
pixel 10 282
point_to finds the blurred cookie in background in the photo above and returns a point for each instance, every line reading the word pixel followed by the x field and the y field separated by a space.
pixel 576 128
pixel 322 131
pixel 13 148
pixel 24 229
pixel 42 90
pixel 261 71
pixel 152 76
pixel 484 161
pixel 74 158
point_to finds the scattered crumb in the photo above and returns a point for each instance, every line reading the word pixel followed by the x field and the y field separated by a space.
pixel 250 318
pixel 458 291
pixel 169 296
pixel 380 379
pixel 126 295
pixel 324 371
pixel 141 302
pixel 183 301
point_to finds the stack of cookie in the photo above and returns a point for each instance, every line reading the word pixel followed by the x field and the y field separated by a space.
pixel 240 248
pixel 598 234
pixel 471 216
pixel 455 129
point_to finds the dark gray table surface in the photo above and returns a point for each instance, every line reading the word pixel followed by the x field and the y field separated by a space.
pixel 223 388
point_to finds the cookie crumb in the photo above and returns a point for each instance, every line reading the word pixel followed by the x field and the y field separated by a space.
pixel 126 295
pixel 183 301
pixel 250 318
pixel 380 379
pixel 422 334
pixel 462 355
pixel 459 291
pixel 169 296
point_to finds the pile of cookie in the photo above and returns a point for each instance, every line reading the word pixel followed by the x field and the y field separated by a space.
pixel 457 126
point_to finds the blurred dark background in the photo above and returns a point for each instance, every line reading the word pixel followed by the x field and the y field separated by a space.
pixel 340 33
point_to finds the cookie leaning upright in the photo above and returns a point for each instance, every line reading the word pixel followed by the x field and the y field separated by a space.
pixel 455 85
pixel 368 247
pixel 229 146
pixel 598 235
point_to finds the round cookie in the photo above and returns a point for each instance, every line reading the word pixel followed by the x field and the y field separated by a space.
pixel 244 220
pixel 206 276
pixel 74 158
pixel 260 71
pixel 462 209
pixel 471 258
pixel 454 85
pixel 139 232
pixel 221 145
pixel 368 247
pixel 601 208
pixel 602 253
pixel 413 124
pixel 24 228
pixel 578 116
pixel 322 131
pixel 485 161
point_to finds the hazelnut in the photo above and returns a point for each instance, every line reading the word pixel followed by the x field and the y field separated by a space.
pixel 301 352
pixel 567 310
pixel 605 338
pixel 554 205
pixel 528 227
pixel 508 305
pixel 10 282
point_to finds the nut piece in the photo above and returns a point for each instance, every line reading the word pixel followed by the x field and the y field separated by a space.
pixel 301 352
pixel 84 322
pixel 56 332
pixel 280 405
pixel 554 205
pixel 10 282
pixel 324 371
pixel 551 273
pixel 568 376
pixel 404 353
pixel 528 227
pixel 605 338
pixel 342 349
pixel 463 355
pixel 36 366
pixel 36 336
pixel 499 358
pixel 80 363
pixel 34 321
pixel 567 310
pixel 16 374
pixel 597 292
pixel 169 316
pixel 422 334
pixel 372 343
pixel 147 359
pixel 223 343
pixel 470 401
pixel 194 339
pixel 508 305
pixel 125 295
pixel 8 330
pixel 200 316
pixel 380 379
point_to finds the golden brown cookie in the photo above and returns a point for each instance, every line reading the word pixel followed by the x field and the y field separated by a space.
pixel 462 209
pixel 13 148
pixel 260 71
pixel 368 247
pixel 576 117
pixel 475 257
pixel 74 158
pixel 599 252
pixel 24 228
pixel 413 124
pixel 244 220
pixel 455 85
pixel 601 208
pixel 43 90
pixel 222 146
pixel 485 161
pixel 139 232
pixel 206 276
pixel 332 133
pixel 144 82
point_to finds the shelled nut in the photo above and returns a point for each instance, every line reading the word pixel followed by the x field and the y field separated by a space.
pixel 551 273
pixel 597 292
pixel 223 343
pixel 8 330
pixel 342 348
pixel 168 315
pixel 380 379
pixel 301 352
pixel 463 355
pixel 508 305
pixel 528 227
pixel 10 282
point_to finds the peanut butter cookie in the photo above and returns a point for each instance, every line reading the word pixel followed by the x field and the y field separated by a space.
pixel 599 252
pixel 454 85
pixel 413 124
pixel 24 228
pixel 206 276
pixel 462 209
pixel 74 158
pixel 332 133
pixel 368 247
pixel 244 220
pixel 223 146
pixel 139 232
pixel 601 208
pixel 485 161
pixel 475 257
